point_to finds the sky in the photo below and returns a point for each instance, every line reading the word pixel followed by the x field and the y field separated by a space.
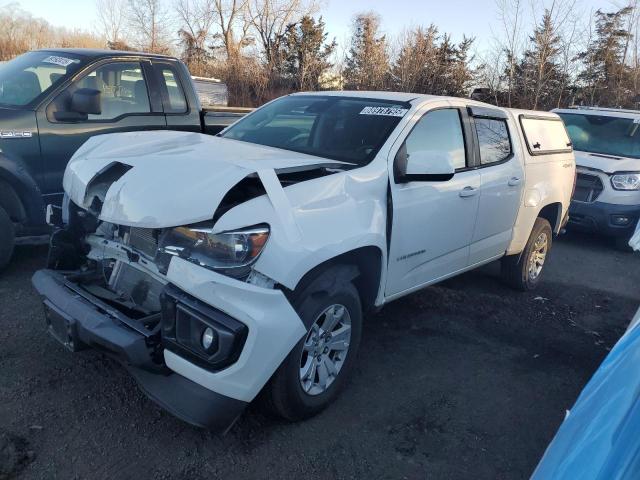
pixel 475 18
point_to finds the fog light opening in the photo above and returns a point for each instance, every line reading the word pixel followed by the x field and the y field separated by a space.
pixel 620 220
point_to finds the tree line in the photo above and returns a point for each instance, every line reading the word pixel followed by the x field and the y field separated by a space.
pixel 266 48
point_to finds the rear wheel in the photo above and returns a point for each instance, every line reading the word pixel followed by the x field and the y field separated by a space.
pixel 523 271
pixel 7 238
pixel 315 371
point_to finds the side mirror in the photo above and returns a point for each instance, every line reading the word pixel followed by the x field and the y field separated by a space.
pixel 426 166
pixel 86 101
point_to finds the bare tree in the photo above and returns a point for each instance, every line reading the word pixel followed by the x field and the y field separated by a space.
pixel 233 19
pixel 509 13
pixel 197 18
pixel 150 21
pixel 112 20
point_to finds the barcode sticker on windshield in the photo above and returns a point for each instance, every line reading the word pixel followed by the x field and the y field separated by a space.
pixel 384 111
pixel 62 61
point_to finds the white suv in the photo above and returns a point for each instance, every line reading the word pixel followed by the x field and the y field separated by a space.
pixel 607 149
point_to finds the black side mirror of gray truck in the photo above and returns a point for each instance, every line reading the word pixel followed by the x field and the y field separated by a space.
pixel 84 101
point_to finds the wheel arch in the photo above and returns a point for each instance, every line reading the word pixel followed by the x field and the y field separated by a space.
pixel 366 273
pixel 19 193
pixel 552 212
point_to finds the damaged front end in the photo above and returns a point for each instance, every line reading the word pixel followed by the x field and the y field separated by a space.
pixel 106 288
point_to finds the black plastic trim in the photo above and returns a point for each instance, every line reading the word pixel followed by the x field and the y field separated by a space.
pixel 179 308
pixel 189 401
pixel 596 217
pixel 89 327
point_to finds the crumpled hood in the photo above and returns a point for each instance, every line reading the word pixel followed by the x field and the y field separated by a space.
pixel 606 163
pixel 176 178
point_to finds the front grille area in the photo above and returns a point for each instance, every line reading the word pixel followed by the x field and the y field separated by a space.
pixel 588 187
pixel 144 240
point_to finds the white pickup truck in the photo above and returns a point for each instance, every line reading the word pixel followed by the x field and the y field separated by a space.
pixel 220 268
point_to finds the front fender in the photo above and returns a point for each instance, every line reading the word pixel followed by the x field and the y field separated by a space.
pixel 14 172
pixel 314 221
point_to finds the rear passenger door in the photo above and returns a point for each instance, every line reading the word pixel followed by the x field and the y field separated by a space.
pixel 501 182
pixel 126 105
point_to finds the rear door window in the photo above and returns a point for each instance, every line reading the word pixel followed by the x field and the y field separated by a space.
pixel 173 98
pixel 545 136
pixel 493 139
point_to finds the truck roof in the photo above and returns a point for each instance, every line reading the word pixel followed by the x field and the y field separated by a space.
pixel 601 111
pixel 397 96
pixel 411 97
pixel 97 52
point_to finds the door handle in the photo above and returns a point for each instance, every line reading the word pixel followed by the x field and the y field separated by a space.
pixel 468 192
pixel 513 181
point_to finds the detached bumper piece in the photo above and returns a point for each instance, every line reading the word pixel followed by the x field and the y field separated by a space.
pixel 607 218
pixel 79 321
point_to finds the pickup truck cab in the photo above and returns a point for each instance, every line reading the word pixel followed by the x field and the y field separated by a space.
pixel 607 149
pixel 52 101
pixel 220 267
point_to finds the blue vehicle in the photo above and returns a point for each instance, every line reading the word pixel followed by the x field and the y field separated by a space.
pixel 599 439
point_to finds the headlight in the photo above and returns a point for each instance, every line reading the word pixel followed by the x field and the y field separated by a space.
pixel 626 181
pixel 233 252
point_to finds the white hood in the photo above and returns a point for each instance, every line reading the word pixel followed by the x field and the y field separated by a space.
pixel 606 163
pixel 177 178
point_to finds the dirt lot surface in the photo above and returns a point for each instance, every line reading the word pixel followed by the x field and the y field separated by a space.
pixel 467 379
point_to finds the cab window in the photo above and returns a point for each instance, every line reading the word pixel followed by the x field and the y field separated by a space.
pixel 439 131
pixel 123 90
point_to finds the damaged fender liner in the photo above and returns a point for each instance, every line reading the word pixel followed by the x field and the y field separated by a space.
pixel 178 395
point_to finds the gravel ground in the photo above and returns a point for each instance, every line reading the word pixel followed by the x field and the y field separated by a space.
pixel 467 379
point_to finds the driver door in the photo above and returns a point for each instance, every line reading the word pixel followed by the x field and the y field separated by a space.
pixel 126 106
pixel 433 218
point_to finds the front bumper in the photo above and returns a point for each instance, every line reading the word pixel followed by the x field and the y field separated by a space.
pixel 78 322
pixel 601 217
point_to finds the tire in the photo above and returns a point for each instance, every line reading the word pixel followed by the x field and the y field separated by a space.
pixel 285 395
pixel 7 238
pixel 517 270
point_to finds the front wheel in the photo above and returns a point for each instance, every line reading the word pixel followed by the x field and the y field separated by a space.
pixel 523 271
pixel 315 371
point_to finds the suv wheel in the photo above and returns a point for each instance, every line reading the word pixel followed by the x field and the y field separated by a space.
pixel 7 238
pixel 315 371
pixel 523 271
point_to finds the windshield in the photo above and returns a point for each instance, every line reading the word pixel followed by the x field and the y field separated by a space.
pixel 27 77
pixel 603 134
pixel 340 128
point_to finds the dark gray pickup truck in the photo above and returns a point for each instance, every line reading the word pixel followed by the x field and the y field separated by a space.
pixel 52 101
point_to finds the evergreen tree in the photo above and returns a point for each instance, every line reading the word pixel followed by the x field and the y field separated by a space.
pixel 428 64
pixel 538 78
pixel 606 75
pixel 367 64
pixel 306 53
